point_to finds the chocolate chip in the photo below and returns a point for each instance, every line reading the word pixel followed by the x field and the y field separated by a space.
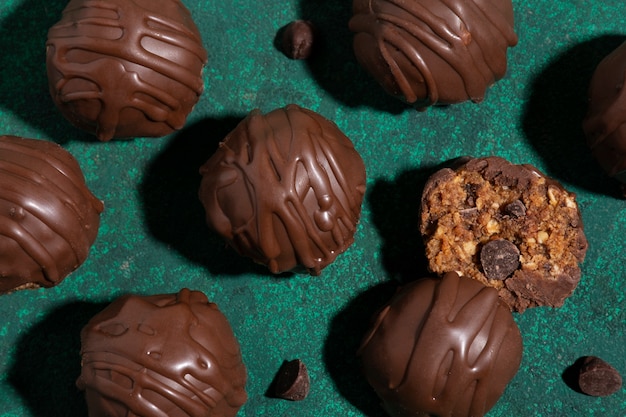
pixel 298 39
pixel 499 258
pixel 471 191
pixel 597 378
pixel 292 381
pixel 515 209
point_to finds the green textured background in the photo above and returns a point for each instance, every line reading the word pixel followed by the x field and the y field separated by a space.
pixel 153 239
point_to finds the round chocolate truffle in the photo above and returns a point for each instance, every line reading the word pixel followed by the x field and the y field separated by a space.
pixel 125 68
pixel 429 52
pixel 49 219
pixel 508 226
pixel 442 347
pixel 605 122
pixel 285 189
pixel 169 355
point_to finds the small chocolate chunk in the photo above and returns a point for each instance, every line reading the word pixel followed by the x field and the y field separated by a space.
pixel 515 209
pixel 298 38
pixel 292 381
pixel 499 258
pixel 597 378
pixel 471 190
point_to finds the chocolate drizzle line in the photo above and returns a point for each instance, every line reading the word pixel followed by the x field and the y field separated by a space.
pixel 605 123
pixel 605 114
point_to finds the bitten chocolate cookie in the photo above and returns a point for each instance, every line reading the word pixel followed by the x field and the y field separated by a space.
pixel 169 355
pixel 508 226
pixel 48 216
pixel 285 189
pixel 429 52
pixel 442 347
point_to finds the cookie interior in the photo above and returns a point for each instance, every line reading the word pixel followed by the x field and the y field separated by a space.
pixel 465 211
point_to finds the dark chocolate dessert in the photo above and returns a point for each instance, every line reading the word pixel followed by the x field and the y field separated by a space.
pixel 49 217
pixel 442 347
pixel 169 355
pixel 285 189
pixel 125 68
pixel 508 226
pixel 429 52
pixel 605 122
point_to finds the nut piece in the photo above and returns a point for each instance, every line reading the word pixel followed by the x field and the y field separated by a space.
pixel 297 40
pixel 292 381
pixel 499 258
pixel 597 378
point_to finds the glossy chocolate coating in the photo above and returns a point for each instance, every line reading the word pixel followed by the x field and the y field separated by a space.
pixel 605 122
pixel 125 68
pixel 429 52
pixel 285 189
pixel 48 217
pixel 169 355
pixel 442 347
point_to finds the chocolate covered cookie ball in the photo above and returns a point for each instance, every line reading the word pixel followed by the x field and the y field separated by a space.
pixel 508 226
pixel 169 355
pixel 285 189
pixel 429 52
pixel 125 68
pixel 50 218
pixel 441 347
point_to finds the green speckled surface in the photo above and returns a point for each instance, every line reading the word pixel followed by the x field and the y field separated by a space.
pixel 153 239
